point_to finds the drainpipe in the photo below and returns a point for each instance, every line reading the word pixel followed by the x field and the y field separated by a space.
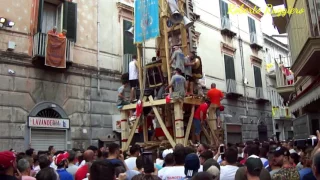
pixel 243 69
pixel 98 47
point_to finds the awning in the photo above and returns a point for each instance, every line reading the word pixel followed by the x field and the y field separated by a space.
pixel 281 23
pixel 309 97
pixel 274 2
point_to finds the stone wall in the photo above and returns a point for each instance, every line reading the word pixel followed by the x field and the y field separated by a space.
pixel 257 113
pixel 75 90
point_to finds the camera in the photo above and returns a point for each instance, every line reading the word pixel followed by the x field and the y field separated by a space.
pixel 306 142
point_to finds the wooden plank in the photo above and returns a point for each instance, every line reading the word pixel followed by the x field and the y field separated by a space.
pixel 162 125
pixel 204 130
pixel 124 128
pixel 187 100
pixel 178 122
pixel 189 126
pixel 140 69
pixel 132 132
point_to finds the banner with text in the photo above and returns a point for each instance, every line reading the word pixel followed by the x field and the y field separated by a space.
pixel 146 20
pixel 56 51
pixel 43 122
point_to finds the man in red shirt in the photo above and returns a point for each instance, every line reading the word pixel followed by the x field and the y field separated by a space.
pixel 215 96
pixel 199 117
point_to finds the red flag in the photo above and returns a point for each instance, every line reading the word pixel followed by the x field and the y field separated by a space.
pixel 139 108
pixel 168 99
pixel 221 108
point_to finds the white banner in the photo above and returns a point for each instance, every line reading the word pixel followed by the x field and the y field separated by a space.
pixel 48 122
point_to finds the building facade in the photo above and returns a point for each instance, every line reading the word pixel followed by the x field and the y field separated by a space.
pixel 277 59
pixel 303 35
pixel 231 48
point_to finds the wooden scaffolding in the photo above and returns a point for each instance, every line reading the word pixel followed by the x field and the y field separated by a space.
pixel 176 119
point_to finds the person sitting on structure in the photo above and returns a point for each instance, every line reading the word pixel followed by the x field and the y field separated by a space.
pixel 53 31
pixel 200 116
pixel 178 82
pixel 63 34
pixel 177 59
pixel 122 100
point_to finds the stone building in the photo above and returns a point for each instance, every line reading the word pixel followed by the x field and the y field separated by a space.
pixel 72 107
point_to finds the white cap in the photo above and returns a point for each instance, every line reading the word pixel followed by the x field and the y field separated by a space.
pixel 292 151
pixel 253 156
pixel 166 152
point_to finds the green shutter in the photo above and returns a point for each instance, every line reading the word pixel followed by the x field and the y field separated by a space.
pixel 70 20
pixel 229 67
pixel 223 9
pixel 252 25
pixel 257 76
pixel 226 9
pixel 128 45
pixel 40 15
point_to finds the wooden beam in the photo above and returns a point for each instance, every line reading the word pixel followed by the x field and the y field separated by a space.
pixel 189 126
pixel 132 132
pixel 204 130
pixel 187 100
pixel 140 69
pixel 178 122
pixel 124 128
pixel 162 125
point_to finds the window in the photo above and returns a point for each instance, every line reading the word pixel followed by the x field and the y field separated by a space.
pixel 63 15
pixel 229 67
pixel 128 45
pixel 252 25
pixel 257 76
pixel 224 9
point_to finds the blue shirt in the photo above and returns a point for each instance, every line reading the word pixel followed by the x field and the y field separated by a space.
pixel 303 172
pixel 64 175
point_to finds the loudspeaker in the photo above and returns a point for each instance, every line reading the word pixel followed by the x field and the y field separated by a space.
pixel 130 32
pixel 187 22
pixel 176 17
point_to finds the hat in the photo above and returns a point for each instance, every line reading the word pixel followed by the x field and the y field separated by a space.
pixel 166 152
pixel 210 162
pixel 191 165
pixel 61 157
pixel 281 151
pixel 254 165
pixel 292 151
pixel 7 159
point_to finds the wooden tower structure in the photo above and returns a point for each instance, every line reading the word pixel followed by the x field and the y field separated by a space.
pixel 172 115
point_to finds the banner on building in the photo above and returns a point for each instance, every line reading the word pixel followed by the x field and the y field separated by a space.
pixel 146 20
pixel 42 122
pixel 56 51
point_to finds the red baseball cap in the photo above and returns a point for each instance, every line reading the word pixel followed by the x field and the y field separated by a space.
pixel 61 157
pixel 7 159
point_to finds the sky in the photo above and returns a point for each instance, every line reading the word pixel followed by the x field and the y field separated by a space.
pixel 266 20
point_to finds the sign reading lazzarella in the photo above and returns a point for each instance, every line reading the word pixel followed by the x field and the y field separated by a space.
pixel 43 122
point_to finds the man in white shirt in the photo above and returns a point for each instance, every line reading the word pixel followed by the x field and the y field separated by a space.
pixel 134 153
pixel 175 172
pixel 228 171
pixel 133 76
pixel 72 168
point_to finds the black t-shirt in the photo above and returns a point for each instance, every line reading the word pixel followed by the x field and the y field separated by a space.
pixel 6 177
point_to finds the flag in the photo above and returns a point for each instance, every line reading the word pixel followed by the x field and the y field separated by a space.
pixel 56 51
pixel 146 20
pixel 139 108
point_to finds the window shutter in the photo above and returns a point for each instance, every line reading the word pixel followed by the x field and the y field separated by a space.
pixel 128 45
pixel 229 67
pixel 70 20
pixel 257 76
pixel 252 25
pixel 226 9
pixel 221 8
pixel 40 15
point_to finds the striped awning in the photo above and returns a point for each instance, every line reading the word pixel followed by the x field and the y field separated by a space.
pixel 309 97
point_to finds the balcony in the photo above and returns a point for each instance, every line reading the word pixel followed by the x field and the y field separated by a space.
pixel 281 113
pixel 285 81
pixel 226 27
pixel 231 89
pixel 39 50
pixel 254 44
pixel 274 2
pixel 304 33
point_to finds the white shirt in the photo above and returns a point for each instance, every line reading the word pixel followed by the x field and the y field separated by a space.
pixel 159 162
pixel 201 168
pixel 133 70
pixel 228 172
pixel 172 173
pixel 53 165
pixel 131 162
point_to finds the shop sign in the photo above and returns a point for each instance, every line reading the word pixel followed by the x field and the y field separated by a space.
pixel 43 122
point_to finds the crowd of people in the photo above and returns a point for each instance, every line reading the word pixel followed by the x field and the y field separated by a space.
pixel 250 161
